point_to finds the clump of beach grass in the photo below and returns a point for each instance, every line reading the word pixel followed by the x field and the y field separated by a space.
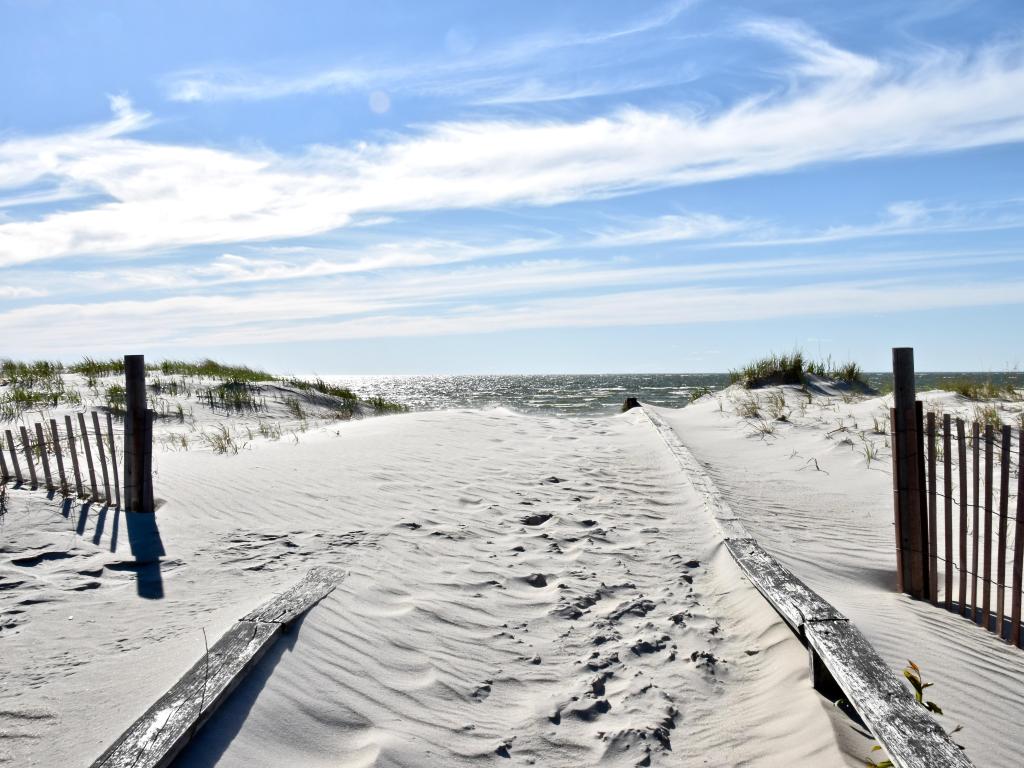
pixel 793 368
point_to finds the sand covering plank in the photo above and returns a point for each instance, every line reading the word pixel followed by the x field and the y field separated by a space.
pixel 156 738
pixel 909 734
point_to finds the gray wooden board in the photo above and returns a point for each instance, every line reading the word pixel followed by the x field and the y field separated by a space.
pixel 909 734
pixel 159 735
pixel 292 603
pixel 912 738
pixel 793 599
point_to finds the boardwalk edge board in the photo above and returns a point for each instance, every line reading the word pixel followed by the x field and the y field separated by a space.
pixel 841 658
pixel 155 739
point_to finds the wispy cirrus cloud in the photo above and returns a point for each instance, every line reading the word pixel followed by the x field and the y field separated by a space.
pixel 493 75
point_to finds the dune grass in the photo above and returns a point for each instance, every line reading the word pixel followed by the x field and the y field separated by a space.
pixel 794 369
pixel 972 389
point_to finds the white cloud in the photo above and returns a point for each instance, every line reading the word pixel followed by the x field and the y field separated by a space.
pixel 159 196
pixel 323 314
pixel 20 292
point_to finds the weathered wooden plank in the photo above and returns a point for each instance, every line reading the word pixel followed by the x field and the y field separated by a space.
pixel 1004 499
pixel 1018 546
pixel 88 456
pixel 947 488
pixel 159 735
pixel 14 455
pixel 113 460
pixel 975 564
pixel 292 603
pixel 101 455
pixel 986 573
pixel 26 444
pixel 73 450
pixel 961 444
pixel 933 534
pixel 41 442
pixel 903 727
pixel 59 455
pixel 793 600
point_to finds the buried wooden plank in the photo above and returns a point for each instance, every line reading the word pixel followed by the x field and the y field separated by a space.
pixel 292 603
pixel 166 727
pixel 793 599
pixel 844 664
pixel 162 732
pixel 903 727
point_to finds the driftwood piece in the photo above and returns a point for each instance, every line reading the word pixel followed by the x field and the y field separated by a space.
pixel 162 732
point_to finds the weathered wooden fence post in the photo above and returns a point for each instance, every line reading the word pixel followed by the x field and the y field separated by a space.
pixel 910 511
pixel 138 438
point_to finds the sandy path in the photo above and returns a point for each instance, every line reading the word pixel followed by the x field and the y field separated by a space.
pixel 824 511
pixel 547 591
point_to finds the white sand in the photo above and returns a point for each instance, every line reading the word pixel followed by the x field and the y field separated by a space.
pixel 436 649
pixel 814 501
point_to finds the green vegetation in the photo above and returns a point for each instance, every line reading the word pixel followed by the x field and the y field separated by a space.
pixel 211 369
pixel 93 370
pixel 321 386
pixel 380 405
pixel 116 398
pixel 39 385
pixel 698 392
pixel 916 679
pixel 979 390
pixel 233 395
pixel 40 373
pixel 794 369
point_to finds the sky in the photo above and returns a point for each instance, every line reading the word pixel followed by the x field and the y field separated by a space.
pixel 503 187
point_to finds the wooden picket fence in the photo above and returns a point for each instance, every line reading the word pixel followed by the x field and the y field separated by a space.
pixel 91 471
pixel 975 501
pixel 958 493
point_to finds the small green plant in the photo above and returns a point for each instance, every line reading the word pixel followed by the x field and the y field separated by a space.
pixel 698 392
pixel 220 440
pixel 749 408
pixel 295 408
pixel 380 405
pixel 986 415
pixel 116 398
pixel 916 679
pixel 870 451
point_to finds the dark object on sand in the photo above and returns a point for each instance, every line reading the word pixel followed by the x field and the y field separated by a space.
pixel 630 402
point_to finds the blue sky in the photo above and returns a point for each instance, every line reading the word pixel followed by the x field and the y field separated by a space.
pixel 446 187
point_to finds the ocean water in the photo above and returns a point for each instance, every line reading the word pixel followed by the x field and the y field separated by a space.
pixel 577 394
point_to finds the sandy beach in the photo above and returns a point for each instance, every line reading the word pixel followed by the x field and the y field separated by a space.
pixel 548 590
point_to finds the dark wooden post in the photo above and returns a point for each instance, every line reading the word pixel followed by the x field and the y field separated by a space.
pixel 138 438
pixel 910 511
